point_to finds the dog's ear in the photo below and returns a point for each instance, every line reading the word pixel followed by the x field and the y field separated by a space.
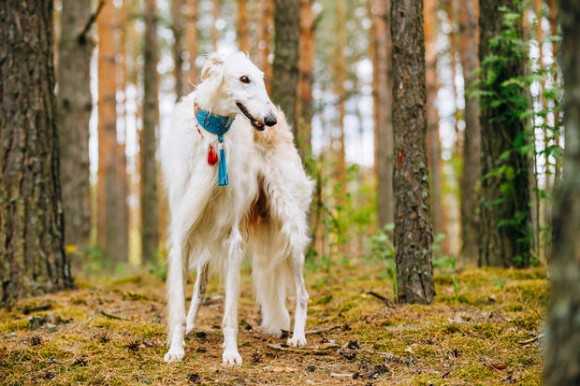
pixel 213 67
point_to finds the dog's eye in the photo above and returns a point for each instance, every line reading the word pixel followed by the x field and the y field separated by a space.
pixel 244 79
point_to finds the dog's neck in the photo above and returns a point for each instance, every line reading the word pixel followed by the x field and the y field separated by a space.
pixel 209 99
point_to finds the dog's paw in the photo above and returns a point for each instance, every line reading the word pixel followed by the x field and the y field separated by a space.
pixel 231 358
pixel 297 341
pixel 274 331
pixel 189 326
pixel 174 355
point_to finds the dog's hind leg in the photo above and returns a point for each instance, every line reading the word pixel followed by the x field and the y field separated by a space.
pixel 299 334
pixel 231 356
pixel 197 296
pixel 271 285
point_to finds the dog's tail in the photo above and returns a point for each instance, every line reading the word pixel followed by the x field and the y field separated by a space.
pixel 272 285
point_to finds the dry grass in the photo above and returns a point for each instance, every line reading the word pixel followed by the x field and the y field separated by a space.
pixel 477 333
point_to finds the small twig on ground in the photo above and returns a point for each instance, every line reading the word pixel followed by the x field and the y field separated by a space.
pixel 35 308
pixel 90 21
pixel 110 316
pixel 531 340
pixel 343 375
pixel 320 350
pixel 318 331
pixel 380 297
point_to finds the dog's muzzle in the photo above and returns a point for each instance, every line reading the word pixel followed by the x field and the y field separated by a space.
pixel 257 124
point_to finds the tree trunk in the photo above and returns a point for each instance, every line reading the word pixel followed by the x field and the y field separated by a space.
pixel 433 138
pixel 413 230
pixel 32 257
pixel 191 41
pixel 242 27
pixel 380 48
pixel 286 57
pixel 111 220
pixel 304 108
pixel 265 38
pixel 74 111
pixel 121 185
pixel 468 49
pixel 505 238
pixel 562 354
pixel 216 11
pixel 177 9
pixel 340 93
pixel 149 199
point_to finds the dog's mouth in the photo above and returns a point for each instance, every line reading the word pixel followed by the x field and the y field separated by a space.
pixel 256 123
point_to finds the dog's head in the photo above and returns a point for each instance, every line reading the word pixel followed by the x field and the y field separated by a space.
pixel 236 85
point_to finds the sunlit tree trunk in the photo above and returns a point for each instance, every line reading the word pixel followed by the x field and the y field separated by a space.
pixel 177 12
pixel 242 27
pixel 468 51
pixel 413 229
pixel 304 108
pixel 286 57
pixel 553 18
pixel 192 43
pixel 32 257
pixel 149 195
pixel 111 201
pixel 380 52
pixel 265 39
pixel 562 354
pixel 121 175
pixel 505 234
pixel 74 111
pixel 433 138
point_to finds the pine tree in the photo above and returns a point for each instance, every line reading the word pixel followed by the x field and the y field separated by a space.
pixel 505 236
pixel 74 111
pixel 413 229
pixel 149 183
pixel 32 257
pixel 562 353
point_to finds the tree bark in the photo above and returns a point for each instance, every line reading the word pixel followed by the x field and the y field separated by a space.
pixel 562 354
pixel 177 8
pixel 413 229
pixel 111 202
pixel 505 237
pixel 286 57
pixel 242 27
pixel 74 111
pixel 265 38
pixel 304 108
pixel 149 196
pixel 32 256
pixel 380 52
pixel 470 176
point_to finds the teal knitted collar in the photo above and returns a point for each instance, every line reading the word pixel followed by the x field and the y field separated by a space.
pixel 218 125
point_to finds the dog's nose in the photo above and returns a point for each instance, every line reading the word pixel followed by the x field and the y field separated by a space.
pixel 270 120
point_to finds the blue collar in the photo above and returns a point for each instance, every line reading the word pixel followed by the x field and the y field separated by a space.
pixel 213 123
pixel 218 125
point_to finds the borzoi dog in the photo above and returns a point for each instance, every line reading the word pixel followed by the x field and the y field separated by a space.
pixel 236 186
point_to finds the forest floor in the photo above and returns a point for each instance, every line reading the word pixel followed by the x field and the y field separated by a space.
pixel 482 330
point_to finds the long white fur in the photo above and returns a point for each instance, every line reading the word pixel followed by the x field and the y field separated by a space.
pixel 216 226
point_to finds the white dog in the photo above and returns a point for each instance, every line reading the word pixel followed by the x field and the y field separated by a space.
pixel 254 202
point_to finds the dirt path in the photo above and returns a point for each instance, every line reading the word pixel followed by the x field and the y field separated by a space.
pixel 481 330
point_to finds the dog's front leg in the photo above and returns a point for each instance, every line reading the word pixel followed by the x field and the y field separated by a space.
pixel 231 356
pixel 176 305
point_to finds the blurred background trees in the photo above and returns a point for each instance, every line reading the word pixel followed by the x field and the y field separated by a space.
pixel 492 133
